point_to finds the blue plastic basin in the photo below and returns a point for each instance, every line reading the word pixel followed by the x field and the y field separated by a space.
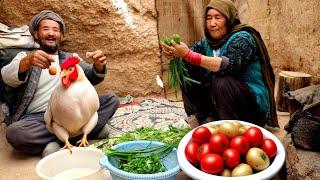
pixel 170 162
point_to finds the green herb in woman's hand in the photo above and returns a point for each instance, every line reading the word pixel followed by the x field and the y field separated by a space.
pixel 166 40
pixel 176 38
pixel 178 74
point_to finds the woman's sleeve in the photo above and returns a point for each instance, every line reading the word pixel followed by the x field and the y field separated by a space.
pixel 198 47
pixel 196 72
pixel 239 53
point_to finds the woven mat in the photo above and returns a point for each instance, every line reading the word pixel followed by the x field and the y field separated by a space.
pixel 153 112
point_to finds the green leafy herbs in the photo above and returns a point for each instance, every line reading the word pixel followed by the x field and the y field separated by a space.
pixel 178 74
pixel 166 40
pixel 143 165
pixel 146 160
pixel 169 135
pixel 141 161
pixel 176 38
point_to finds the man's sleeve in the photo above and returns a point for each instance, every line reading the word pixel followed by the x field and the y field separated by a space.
pixel 10 72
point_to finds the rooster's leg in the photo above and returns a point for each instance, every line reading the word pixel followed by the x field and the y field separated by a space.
pixel 63 135
pixel 87 129
pixel 83 142
pixel 67 145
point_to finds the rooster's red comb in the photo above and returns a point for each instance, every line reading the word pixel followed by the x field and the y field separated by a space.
pixel 69 62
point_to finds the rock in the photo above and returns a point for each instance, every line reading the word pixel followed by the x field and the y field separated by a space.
pixel 301 164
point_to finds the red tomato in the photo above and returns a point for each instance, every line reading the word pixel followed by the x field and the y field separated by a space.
pixel 241 144
pixel 231 157
pixel 269 147
pixel 218 143
pixel 191 152
pixel 201 135
pixel 203 150
pixel 255 136
pixel 212 163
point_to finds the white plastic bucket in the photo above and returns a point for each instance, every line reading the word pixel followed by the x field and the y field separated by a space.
pixel 83 163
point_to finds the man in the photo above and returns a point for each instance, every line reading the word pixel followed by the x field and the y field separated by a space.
pixel 31 87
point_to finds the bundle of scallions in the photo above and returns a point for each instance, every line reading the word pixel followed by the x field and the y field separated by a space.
pixel 178 74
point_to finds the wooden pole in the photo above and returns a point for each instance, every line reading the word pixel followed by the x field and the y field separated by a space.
pixel 290 81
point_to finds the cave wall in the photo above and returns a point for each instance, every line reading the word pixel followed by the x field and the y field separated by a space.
pixel 125 30
pixel 128 31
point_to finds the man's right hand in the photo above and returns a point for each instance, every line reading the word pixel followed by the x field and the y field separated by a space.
pixel 37 58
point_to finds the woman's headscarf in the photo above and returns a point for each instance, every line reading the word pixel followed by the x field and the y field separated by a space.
pixel 228 8
pixel 45 14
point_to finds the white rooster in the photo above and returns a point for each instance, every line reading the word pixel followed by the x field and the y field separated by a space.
pixel 72 108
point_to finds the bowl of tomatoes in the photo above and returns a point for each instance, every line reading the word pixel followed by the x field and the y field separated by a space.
pixel 230 149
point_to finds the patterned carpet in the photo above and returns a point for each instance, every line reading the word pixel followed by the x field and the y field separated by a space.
pixel 153 112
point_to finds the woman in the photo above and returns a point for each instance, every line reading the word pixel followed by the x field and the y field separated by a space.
pixel 233 66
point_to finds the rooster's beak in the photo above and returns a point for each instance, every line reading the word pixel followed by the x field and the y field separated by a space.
pixel 63 73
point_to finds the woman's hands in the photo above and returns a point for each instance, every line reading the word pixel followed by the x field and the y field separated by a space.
pixel 182 50
pixel 178 50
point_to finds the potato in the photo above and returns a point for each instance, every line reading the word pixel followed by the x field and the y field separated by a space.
pixel 243 129
pixel 228 129
pixel 237 124
pixel 226 173
pixel 257 159
pixel 213 128
pixel 242 169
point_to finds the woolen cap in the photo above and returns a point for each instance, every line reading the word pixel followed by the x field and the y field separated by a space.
pixel 45 14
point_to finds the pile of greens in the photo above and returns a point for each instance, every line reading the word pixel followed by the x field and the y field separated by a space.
pixel 141 161
pixel 145 160
pixel 169 135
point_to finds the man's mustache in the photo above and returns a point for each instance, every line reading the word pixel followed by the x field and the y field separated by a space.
pixel 50 38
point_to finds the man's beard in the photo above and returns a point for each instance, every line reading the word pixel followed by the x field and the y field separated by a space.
pixel 53 49
pixel 49 49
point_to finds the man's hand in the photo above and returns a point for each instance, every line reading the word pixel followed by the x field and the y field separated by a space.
pixel 99 60
pixel 37 58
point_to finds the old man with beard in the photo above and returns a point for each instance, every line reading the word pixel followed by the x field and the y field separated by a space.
pixel 31 85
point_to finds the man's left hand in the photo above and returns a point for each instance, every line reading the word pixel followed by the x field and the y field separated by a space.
pixel 99 60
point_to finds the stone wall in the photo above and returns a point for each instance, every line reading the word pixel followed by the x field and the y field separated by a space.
pixel 290 30
pixel 127 30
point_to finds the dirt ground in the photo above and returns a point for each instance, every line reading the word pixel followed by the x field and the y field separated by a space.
pixel 16 166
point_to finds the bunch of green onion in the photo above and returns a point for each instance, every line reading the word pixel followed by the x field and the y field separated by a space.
pixel 178 74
